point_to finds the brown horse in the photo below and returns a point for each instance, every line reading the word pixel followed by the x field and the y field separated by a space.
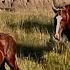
pixel 62 21
pixel 7 52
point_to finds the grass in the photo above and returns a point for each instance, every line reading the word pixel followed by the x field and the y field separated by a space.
pixel 25 27
pixel 48 61
pixel 32 32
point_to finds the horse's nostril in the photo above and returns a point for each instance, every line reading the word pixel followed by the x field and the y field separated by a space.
pixel 56 36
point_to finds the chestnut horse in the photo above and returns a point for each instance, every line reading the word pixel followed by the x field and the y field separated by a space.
pixel 7 52
pixel 62 21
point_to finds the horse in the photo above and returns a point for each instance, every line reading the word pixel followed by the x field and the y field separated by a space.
pixel 62 21
pixel 7 52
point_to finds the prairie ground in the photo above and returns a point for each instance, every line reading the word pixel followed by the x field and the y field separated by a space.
pixel 33 33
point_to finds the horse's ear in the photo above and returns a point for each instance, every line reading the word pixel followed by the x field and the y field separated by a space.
pixel 55 10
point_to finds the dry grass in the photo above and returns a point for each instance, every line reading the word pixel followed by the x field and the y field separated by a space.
pixel 32 33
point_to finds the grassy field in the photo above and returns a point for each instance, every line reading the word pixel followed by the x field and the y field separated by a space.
pixel 33 34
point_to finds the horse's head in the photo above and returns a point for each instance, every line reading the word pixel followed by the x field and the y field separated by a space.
pixel 61 19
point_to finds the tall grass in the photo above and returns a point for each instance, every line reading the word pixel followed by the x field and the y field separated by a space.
pixel 26 27
pixel 32 32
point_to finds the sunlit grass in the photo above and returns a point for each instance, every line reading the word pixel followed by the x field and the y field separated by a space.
pixel 33 29
pixel 25 27
pixel 49 61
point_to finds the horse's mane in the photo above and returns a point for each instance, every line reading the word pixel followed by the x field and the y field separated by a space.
pixel 68 8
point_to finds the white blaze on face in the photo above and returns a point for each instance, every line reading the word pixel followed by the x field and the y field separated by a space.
pixel 59 18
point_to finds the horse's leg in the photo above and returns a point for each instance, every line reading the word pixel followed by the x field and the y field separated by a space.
pixel 2 66
pixel 12 63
